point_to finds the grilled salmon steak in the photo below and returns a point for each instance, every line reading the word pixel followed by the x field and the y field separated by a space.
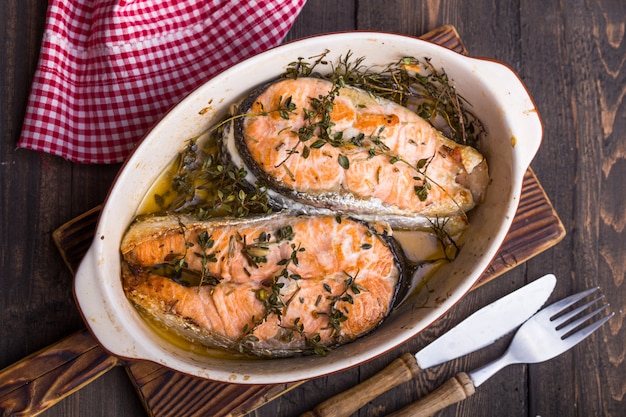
pixel 272 286
pixel 343 149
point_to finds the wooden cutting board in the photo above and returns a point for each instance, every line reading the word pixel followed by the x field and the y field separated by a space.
pixel 44 378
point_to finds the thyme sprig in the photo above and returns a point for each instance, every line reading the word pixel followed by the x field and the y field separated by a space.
pixel 313 342
pixel 270 296
pixel 176 266
pixel 206 184
pixel 205 244
pixel 378 147
pixel 302 68
pixel 418 85
pixel 318 125
pixel 410 82
pixel 336 316
pixel 449 247
pixel 256 253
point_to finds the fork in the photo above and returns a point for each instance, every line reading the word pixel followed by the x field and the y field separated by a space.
pixel 547 334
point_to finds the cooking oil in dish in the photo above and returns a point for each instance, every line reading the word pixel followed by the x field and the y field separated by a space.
pixel 215 186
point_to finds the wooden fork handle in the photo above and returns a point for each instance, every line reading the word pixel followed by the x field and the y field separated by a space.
pixel 44 378
pixel 346 403
pixel 454 390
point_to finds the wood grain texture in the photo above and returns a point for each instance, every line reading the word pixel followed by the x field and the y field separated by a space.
pixel 454 390
pixel 44 378
pixel 168 393
pixel 571 57
pixel 346 403
pixel 163 392
pixel 585 103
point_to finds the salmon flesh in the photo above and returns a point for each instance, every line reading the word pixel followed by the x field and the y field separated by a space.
pixel 369 157
pixel 272 286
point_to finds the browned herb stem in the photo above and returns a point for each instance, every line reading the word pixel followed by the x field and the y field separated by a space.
pixel 207 185
pixel 409 82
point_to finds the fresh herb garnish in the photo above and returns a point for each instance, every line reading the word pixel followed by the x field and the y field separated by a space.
pixel 449 247
pixel 205 243
pixel 206 184
pixel 270 295
pixel 410 82
pixel 417 85
pixel 336 315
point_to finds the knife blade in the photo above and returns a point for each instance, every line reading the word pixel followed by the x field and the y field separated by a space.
pixel 502 316
pixel 478 330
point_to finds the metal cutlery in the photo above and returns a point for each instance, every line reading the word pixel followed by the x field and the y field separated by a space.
pixel 475 332
pixel 550 332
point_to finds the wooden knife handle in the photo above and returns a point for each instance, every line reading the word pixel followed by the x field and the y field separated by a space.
pixel 456 389
pixel 44 378
pixel 346 403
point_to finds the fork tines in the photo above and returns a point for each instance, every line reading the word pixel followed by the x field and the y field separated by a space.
pixel 569 322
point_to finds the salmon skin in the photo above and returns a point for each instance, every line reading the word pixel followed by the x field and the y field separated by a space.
pixel 272 286
pixel 369 157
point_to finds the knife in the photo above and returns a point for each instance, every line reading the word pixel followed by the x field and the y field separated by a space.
pixel 481 329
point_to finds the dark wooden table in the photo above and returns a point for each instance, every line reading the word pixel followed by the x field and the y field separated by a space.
pixel 572 57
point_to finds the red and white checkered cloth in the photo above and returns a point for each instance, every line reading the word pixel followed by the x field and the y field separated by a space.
pixel 108 69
